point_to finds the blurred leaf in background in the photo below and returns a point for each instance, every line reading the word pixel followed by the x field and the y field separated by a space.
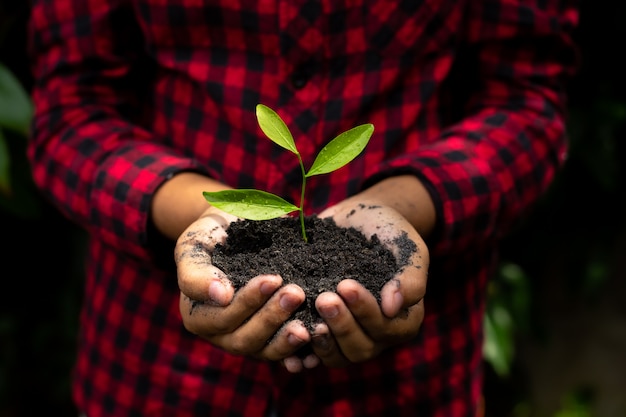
pixel 507 316
pixel 576 403
pixel 17 193
pixel 16 109
pixel 5 166
pixel 15 115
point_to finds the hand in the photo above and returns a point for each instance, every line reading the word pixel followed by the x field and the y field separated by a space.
pixel 356 328
pixel 251 321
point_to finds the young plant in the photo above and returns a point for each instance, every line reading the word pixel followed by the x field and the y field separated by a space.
pixel 254 204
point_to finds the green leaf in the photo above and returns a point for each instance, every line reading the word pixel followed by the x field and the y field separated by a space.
pixel 498 343
pixel 16 109
pixel 275 128
pixel 512 290
pixel 5 165
pixel 250 204
pixel 341 150
pixel 577 403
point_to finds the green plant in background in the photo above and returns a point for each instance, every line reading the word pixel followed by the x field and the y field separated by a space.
pixel 575 405
pixel 507 314
pixel 15 115
pixel 17 194
pixel 261 205
pixel 579 402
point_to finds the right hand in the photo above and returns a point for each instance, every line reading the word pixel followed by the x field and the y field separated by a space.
pixel 254 320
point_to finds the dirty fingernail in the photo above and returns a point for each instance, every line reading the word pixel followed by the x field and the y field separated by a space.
pixel 268 287
pixel 311 361
pixel 350 296
pixel 398 299
pixel 329 312
pixel 294 340
pixel 293 365
pixel 217 292
pixel 320 341
pixel 289 302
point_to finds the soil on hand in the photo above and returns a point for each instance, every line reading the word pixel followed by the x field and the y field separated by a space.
pixel 331 254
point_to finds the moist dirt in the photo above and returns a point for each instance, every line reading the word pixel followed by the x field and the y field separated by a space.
pixel 330 254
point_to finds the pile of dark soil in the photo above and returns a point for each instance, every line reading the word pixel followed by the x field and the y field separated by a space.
pixel 331 254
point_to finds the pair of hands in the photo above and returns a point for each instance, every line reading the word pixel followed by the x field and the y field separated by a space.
pixel 255 320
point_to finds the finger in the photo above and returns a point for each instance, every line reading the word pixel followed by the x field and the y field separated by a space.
pixel 261 335
pixel 302 359
pixel 361 302
pixel 206 319
pixel 311 361
pixel 268 320
pixel 204 283
pixel 404 290
pixel 367 312
pixel 408 287
pixel 197 277
pixel 326 349
pixel 257 291
pixel 293 364
pixel 349 336
pixel 286 342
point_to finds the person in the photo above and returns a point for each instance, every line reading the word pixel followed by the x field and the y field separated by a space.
pixel 141 105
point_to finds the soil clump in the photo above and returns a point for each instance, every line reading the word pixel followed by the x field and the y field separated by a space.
pixel 331 254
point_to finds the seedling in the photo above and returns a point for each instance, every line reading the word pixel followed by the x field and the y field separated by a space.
pixel 254 204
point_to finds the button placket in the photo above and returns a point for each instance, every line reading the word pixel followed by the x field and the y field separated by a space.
pixel 301 75
pixel 298 79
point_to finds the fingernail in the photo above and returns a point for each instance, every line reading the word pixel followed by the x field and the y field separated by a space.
pixel 268 287
pixel 293 365
pixel 320 341
pixel 329 312
pixel 217 292
pixel 398 299
pixel 311 361
pixel 350 296
pixel 294 340
pixel 289 302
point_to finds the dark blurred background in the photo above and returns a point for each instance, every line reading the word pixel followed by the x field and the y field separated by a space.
pixel 556 322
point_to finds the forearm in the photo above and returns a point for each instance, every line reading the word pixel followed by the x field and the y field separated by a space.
pixel 408 195
pixel 179 202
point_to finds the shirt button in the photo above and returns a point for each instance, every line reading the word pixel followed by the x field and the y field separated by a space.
pixel 299 79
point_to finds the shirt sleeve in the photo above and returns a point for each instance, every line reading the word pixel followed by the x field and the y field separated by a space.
pixel 88 157
pixel 487 169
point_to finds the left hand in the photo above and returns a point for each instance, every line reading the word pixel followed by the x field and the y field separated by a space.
pixel 356 327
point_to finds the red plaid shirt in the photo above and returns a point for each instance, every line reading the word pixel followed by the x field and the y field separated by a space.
pixel 468 95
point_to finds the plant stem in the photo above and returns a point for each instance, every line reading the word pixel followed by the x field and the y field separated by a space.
pixel 302 198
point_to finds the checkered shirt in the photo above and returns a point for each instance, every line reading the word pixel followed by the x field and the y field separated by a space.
pixel 467 95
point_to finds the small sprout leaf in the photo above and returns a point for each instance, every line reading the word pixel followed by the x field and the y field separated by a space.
pixel 341 150
pixel 275 128
pixel 250 204
pixel 254 204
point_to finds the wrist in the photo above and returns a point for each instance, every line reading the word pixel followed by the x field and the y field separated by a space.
pixel 178 202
